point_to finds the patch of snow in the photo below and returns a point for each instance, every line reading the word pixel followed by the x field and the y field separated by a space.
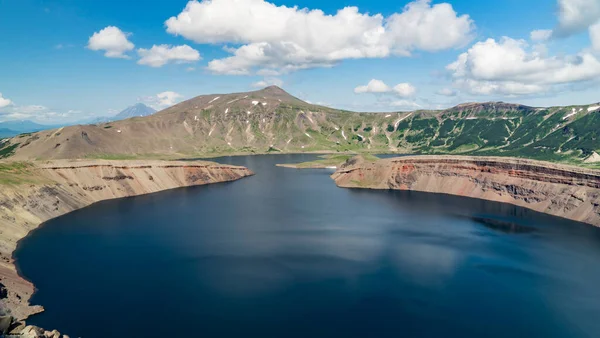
pixel 249 112
pixel 196 118
pixel 254 103
pixel 226 111
pixel 336 128
pixel 264 120
pixel 118 130
pixel 264 103
pixel 211 131
pixel 307 135
pixel 229 143
pixel 288 141
pixel 302 147
pixel 593 108
pixel 344 135
pixel 361 136
pixel 215 99
pixel 388 115
pixel 309 118
pixel 574 111
pixel 400 120
pixel 472 118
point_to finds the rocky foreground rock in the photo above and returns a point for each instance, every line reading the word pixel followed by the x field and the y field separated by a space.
pixel 31 193
pixel 559 190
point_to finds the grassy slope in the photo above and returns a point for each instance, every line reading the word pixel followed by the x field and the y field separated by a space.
pixel 326 161
pixel 234 124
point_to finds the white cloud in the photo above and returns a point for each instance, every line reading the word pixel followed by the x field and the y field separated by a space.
pixel 168 98
pixel 270 81
pixel 447 92
pixel 379 87
pixel 280 39
pixel 511 67
pixel 4 102
pixel 374 86
pixel 162 100
pixel 541 34
pixel 431 28
pixel 160 55
pixel 576 16
pixel 595 36
pixel 405 90
pixel 40 113
pixel 112 41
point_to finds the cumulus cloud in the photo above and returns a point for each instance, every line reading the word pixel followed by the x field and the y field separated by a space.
pixel 512 67
pixel 162 100
pixel 160 55
pixel 541 34
pixel 379 87
pixel 280 39
pixel 374 86
pixel 404 90
pixel 576 15
pixel 112 41
pixel 270 81
pixel 4 102
pixel 168 98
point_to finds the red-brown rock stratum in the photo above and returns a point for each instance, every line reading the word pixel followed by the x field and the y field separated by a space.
pixel 559 190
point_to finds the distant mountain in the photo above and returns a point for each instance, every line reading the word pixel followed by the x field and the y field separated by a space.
pixel 271 120
pixel 137 110
pixel 13 128
pixel 4 132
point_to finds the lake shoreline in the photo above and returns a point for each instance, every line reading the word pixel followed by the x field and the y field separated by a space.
pixel 45 190
pixel 559 190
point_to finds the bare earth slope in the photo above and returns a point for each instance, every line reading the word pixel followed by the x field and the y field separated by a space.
pixel 33 193
pixel 271 120
pixel 559 190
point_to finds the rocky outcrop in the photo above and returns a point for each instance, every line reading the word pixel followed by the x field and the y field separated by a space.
pixel 33 193
pixel 559 190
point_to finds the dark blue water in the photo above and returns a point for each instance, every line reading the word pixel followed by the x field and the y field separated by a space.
pixel 288 254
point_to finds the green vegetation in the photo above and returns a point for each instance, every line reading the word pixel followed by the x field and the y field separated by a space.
pixel 7 149
pixel 99 156
pixel 15 173
pixel 327 161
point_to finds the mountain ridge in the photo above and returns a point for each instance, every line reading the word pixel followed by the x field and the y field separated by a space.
pixel 272 120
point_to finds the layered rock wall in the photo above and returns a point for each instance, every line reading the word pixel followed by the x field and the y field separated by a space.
pixel 50 189
pixel 559 190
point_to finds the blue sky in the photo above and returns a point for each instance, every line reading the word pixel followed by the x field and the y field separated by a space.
pixel 440 53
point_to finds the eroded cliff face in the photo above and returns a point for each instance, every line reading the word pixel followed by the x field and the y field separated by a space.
pixel 46 190
pixel 559 190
